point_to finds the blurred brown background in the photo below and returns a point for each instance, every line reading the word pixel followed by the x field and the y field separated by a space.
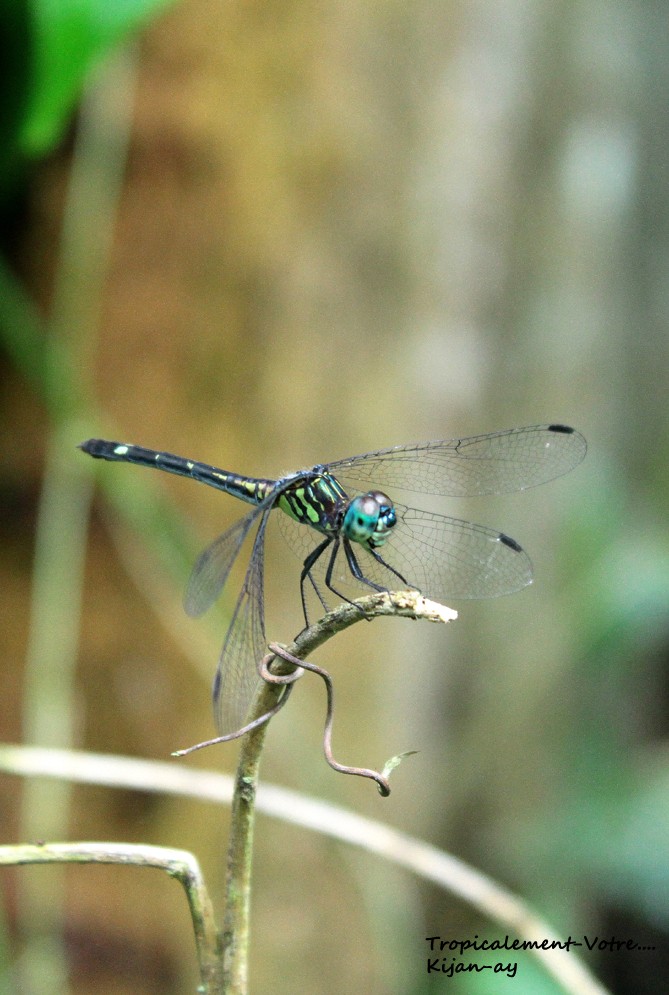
pixel 341 227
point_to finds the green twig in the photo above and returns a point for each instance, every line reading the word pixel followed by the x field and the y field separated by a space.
pixel 179 864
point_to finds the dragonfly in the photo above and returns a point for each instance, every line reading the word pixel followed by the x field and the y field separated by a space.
pixel 352 537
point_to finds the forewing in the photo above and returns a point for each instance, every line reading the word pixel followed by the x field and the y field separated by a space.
pixel 213 565
pixel 236 676
pixel 499 463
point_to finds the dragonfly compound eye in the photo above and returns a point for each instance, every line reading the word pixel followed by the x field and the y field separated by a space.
pixel 361 518
pixel 387 517
pixel 369 517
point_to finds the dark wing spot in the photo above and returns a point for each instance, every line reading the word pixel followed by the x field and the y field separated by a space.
pixel 565 429
pixel 511 543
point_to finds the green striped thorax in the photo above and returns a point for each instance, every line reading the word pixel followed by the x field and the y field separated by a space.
pixel 323 503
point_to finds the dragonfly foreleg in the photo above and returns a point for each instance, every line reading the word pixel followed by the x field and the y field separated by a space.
pixel 379 559
pixel 355 569
pixel 330 570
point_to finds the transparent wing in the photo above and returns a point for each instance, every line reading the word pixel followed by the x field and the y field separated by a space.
pixel 236 676
pixel 499 463
pixel 449 558
pixel 213 565
pixel 444 558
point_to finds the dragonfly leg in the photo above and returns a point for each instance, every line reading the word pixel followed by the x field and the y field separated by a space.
pixel 307 566
pixel 354 567
pixel 383 563
pixel 330 570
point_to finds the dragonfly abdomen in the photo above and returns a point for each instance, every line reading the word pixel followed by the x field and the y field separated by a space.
pixel 253 490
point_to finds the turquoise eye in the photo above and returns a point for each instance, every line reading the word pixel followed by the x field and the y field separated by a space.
pixel 361 517
pixel 368 518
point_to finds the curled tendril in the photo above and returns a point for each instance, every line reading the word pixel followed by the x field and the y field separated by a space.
pixel 409 603
pixel 301 666
pixel 288 680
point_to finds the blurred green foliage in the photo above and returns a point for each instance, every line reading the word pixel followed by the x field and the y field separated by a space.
pixel 49 48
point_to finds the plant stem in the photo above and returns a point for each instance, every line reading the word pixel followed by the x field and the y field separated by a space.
pixel 238 874
pixel 179 864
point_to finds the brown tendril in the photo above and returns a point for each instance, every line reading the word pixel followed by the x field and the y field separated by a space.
pixel 288 680
pixel 301 665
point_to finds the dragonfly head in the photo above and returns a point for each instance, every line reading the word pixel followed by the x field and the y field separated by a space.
pixel 369 518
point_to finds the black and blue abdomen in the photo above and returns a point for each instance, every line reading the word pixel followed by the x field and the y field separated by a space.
pixel 254 490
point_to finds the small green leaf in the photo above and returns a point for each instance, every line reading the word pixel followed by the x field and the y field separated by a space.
pixel 394 762
pixel 69 38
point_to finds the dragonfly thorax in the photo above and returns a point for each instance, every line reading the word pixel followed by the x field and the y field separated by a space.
pixel 318 501
pixel 369 518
